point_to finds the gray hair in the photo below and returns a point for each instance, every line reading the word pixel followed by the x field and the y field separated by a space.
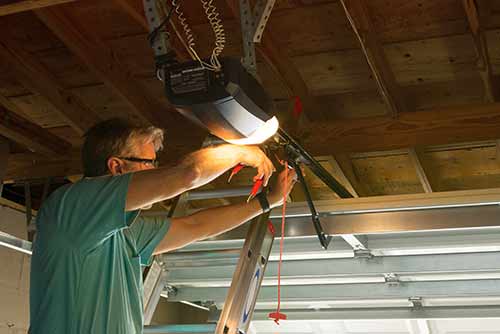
pixel 115 137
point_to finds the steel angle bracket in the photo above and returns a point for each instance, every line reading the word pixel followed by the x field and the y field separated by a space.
pixel 262 11
pixel 253 23
pixel 247 22
pixel 159 38
pixel 247 278
pixel 160 45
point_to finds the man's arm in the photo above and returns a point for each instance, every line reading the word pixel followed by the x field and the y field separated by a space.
pixel 214 221
pixel 155 185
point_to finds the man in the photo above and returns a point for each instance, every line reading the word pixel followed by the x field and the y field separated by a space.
pixel 90 245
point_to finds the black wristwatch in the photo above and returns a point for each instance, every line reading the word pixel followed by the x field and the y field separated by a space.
pixel 264 203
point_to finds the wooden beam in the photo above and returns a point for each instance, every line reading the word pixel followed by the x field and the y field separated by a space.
pixel 280 63
pixel 343 176
pixel 361 23
pixel 4 159
pixel 344 163
pixel 34 137
pixel 135 9
pixel 483 62
pixel 29 166
pixel 23 166
pixel 15 6
pixel 422 176
pixel 15 206
pixel 102 60
pixel 34 76
pixel 411 129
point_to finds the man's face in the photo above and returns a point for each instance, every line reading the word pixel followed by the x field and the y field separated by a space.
pixel 142 159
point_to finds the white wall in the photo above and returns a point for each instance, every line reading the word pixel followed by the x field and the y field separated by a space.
pixel 14 276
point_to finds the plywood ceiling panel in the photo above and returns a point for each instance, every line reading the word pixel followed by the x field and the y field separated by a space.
pixel 38 110
pixel 104 18
pixel 105 102
pixel 34 35
pixel 68 134
pixel 352 105
pixel 464 169
pixel 489 12
pixel 388 175
pixel 9 85
pixel 335 72
pixel 493 42
pixel 432 60
pixel 313 29
pixel 403 20
pixel 67 68
pixel 441 94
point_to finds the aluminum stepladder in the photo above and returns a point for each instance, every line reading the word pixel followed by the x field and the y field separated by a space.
pixel 247 278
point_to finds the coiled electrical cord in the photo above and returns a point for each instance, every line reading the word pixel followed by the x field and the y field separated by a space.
pixel 218 29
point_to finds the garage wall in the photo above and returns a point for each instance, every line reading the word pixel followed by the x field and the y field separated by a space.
pixel 14 277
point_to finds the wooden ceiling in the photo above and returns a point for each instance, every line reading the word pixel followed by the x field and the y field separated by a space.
pixel 400 96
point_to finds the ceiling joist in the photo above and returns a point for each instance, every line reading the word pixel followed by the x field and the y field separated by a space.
pixel 16 6
pixel 34 137
pixel 361 23
pixel 483 62
pixel 343 176
pixel 34 76
pixel 419 168
pixel 346 167
pixel 411 129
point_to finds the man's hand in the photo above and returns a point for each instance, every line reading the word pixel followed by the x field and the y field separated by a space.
pixel 254 157
pixel 276 196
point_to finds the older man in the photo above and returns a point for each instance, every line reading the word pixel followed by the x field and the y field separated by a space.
pixel 91 242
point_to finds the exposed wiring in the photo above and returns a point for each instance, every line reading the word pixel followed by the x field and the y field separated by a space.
pixel 216 24
pixel 176 5
pixel 218 29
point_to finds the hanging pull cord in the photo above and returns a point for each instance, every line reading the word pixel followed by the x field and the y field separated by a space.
pixel 277 316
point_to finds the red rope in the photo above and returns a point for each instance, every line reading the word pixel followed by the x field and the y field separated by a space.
pixel 278 315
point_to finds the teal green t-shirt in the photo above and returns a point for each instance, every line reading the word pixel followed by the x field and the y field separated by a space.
pixel 86 266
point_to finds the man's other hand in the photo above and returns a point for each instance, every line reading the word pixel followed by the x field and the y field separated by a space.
pixel 277 195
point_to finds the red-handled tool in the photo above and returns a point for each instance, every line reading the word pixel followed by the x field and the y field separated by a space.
pixel 256 185
pixel 255 189
pixel 235 171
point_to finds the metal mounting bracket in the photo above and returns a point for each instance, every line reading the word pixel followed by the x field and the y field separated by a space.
pixel 417 302
pixel 247 28
pixel 363 254
pixel 252 28
pixel 262 11
pixel 161 44
pixel 392 279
